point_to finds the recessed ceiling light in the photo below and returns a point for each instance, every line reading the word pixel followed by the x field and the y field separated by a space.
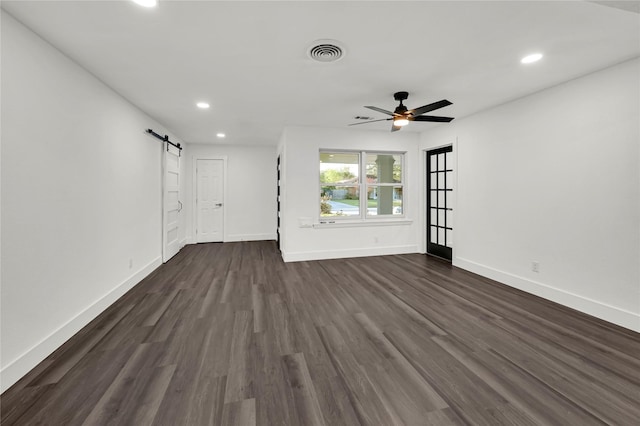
pixel 220 135
pixel 202 105
pixel 146 3
pixel 529 59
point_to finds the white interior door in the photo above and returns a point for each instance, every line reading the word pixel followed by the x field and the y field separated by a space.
pixel 209 201
pixel 171 203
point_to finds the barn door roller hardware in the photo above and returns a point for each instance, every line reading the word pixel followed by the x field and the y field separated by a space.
pixel 165 138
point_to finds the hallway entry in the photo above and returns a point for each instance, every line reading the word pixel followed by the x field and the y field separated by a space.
pixel 209 201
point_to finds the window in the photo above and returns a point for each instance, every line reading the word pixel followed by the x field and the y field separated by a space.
pixel 361 185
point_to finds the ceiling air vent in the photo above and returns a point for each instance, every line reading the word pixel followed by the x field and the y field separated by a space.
pixel 326 51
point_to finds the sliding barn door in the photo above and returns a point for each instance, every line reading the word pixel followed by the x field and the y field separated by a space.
pixel 171 203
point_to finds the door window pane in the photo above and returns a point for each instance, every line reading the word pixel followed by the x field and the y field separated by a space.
pixel 449 242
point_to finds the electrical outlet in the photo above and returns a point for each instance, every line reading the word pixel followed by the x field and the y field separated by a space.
pixel 535 266
pixel 375 239
pixel 130 263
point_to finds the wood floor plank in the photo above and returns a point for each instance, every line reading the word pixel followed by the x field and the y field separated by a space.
pixel 145 396
pixel 240 413
pixel 133 379
pixel 414 384
pixel 67 359
pixel 240 376
pixel 229 334
pixel 16 403
pixel 370 407
pixel 304 393
pixel 72 399
pixel 274 403
pixel 257 305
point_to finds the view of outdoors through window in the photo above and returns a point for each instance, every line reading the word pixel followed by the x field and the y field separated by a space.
pixel 342 183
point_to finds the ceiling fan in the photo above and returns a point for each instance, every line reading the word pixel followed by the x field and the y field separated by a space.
pixel 401 116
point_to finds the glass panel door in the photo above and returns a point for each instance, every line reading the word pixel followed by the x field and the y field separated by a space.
pixel 278 204
pixel 440 202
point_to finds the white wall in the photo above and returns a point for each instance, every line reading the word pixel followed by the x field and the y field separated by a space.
pixel 250 190
pixel 554 178
pixel 300 196
pixel 81 196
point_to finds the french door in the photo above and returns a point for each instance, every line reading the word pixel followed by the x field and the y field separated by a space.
pixel 278 204
pixel 440 202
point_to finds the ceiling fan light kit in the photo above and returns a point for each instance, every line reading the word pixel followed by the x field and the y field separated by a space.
pixel 400 121
pixel 401 116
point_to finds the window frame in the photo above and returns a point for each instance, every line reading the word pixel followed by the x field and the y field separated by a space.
pixel 364 186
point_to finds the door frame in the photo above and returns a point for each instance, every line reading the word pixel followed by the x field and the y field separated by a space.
pixel 194 194
pixel 423 194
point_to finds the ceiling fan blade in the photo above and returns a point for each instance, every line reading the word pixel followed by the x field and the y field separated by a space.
pixel 395 128
pixel 370 121
pixel 432 118
pixel 426 108
pixel 384 111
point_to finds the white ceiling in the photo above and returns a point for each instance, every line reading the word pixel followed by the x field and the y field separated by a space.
pixel 248 59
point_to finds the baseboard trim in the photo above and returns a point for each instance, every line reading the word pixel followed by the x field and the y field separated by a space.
pixel 17 368
pixel 591 307
pixel 343 253
pixel 249 237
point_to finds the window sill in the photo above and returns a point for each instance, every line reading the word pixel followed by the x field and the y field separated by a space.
pixel 362 222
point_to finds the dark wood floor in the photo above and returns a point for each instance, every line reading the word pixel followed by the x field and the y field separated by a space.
pixel 229 334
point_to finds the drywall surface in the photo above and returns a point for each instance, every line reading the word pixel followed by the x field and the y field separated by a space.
pixel 300 147
pixel 554 178
pixel 250 190
pixel 81 198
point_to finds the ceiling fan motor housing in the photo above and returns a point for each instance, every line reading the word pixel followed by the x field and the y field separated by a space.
pixel 401 96
pixel 400 109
